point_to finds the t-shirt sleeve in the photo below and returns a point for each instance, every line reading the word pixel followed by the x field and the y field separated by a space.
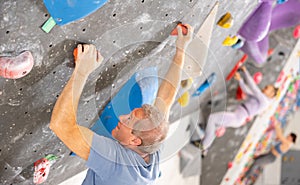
pixel 103 155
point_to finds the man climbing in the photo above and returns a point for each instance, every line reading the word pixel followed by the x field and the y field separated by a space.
pixel 133 158
pixel 257 101
pixel 284 144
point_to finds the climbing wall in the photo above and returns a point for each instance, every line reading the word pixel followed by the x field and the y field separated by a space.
pixel 131 35
pixel 290 163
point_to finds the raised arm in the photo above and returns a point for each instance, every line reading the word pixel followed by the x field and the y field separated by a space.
pixel 279 133
pixel 250 82
pixel 169 86
pixel 63 121
pixel 242 84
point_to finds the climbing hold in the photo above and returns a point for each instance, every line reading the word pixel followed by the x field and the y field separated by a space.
pixel 238 45
pixel 207 83
pixel 229 41
pixel 281 1
pixel 240 95
pixel 187 84
pixel 48 25
pixel 75 52
pixel 183 27
pixel 42 168
pixel 296 32
pixel 184 99
pixel 248 119
pixel 64 12
pixel 257 77
pixel 236 67
pixel 280 77
pixel 229 165
pixel 247 149
pixel 16 67
pixel 239 156
pixel 226 21
pixel 220 131
pixel 270 52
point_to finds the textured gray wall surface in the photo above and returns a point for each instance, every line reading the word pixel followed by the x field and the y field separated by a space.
pixel 290 168
pixel 131 35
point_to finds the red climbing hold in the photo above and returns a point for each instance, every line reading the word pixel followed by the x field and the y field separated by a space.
pixel 183 27
pixel 229 165
pixel 240 95
pixel 257 77
pixel 41 170
pixel 296 32
pixel 16 67
pixel 270 52
pixel 280 77
pixel 237 66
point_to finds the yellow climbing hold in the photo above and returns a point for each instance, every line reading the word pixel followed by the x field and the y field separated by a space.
pixel 238 157
pixel 187 84
pixel 229 41
pixel 184 99
pixel 226 21
pixel 278 95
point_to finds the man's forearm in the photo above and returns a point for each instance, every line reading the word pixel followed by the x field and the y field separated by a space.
pixel 172 78
pixel 64 112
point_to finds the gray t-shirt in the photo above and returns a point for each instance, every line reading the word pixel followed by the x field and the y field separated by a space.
pixel 112 164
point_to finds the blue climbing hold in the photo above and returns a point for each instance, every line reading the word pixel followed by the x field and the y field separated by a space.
pixel 208 82
pixel 281 1
pixel 238 45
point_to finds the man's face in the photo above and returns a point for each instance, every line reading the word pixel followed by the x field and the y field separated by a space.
pixel 123 131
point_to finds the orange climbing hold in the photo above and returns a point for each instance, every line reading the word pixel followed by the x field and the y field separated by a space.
pixel 75 52
pixel 16 67
pixel 183 27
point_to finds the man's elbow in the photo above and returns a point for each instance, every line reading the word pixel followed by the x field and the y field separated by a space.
pixel 53 126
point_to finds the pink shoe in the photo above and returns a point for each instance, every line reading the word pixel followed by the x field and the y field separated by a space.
pixel 16 67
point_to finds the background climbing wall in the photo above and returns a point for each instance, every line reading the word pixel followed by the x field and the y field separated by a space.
pixel 131 35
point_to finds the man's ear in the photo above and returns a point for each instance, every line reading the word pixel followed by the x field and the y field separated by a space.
pixel 135 141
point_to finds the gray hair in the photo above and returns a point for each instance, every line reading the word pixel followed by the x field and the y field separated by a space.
pixel 152 130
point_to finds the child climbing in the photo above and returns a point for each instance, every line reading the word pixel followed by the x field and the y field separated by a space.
pixel 284 144
pixel 257 101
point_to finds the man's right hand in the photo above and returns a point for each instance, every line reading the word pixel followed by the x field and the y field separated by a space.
pixel 183 40
pixel 88 59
